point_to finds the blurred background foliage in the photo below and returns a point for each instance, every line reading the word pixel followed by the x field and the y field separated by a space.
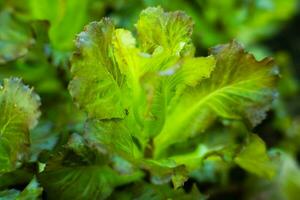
pixel 37 40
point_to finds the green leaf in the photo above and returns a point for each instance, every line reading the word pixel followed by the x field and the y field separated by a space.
pixel 97 82
pixel 61 15
pixel 239 88
pixel 81 172
pixel 169 30
pixel 254 158
pixel 15 37
pixel 19 107
pixel 86 182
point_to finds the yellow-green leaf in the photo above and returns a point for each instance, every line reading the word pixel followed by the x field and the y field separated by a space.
pixel 254 158
pixel 19 107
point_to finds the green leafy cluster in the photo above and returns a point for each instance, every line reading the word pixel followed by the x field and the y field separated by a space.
pixel 144 96
pixel 154 112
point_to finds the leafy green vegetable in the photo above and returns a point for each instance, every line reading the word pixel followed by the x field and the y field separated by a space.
pixel 142 96
pixel 155 119
pixel 19 106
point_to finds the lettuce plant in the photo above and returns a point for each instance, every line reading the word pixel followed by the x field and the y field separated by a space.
pixel 148 100
pixel 145 97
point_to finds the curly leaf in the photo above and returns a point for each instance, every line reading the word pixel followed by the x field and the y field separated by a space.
pixel 19 113
pixel 97 83
pixel 170 30
pixel 239 88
